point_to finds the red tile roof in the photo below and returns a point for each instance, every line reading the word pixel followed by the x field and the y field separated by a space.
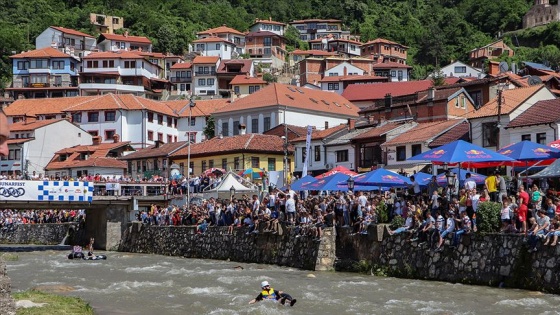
pixel 424 132
pixel 91 162
pixel 71 31
pixel 383 41
pixel 154 151
pixel 313 52
pixel 43 106
pixel 511 99
pixel 246 65
pixel 202 108
pixel 542 112
pixel 220 30
pixel 121 54
pixel 277 94
pixel 183 65
pixel 22 126
pixel 128 38
pixel 376 91
pixel 257 21
pixel 321 134
pixel 390 65
pixel 340 78
pixel 460 131
pixel 253 142
pixel 204 59
pixel 293 131
pixel 378 131
pixel 97 156
pixel 47 52
pixel 212 39
pixel 243 79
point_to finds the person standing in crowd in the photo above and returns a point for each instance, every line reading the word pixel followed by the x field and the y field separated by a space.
pixel 469 184
pixel 433 185
pixel 502 186
pixel 290 208
pixel 4 134
pixel 415 188
pixel 492 186
pixel 523 204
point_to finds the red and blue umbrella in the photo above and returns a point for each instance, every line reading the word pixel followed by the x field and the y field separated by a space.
pixel 529 151
pixel 381 178
pixel 327 183
pixel 460 151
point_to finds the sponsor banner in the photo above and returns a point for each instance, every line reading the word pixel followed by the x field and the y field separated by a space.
pixel 32 190
pixel 307 149
pixel 113 186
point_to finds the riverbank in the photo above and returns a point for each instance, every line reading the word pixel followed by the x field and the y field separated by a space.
pixel 35 302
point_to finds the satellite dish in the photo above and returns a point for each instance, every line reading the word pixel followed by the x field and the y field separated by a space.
pixel 504 67
pixel 534 80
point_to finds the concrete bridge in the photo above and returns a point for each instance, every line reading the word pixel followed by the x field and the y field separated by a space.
pixel 106 216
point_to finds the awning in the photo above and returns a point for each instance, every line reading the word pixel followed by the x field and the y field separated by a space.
pixel 407 168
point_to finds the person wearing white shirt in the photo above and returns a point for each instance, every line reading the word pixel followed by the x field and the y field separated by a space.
pixel 469 184
pixel 362 201
pixel 290 208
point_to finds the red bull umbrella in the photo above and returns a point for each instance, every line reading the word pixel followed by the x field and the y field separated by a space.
pixel 460 151
pixel 528 151
pixel 381 177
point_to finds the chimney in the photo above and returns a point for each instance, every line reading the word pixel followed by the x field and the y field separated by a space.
pixel 116 138
pixel 493 68
pixel 345 71
pixel 351 124
pixel 388 102
pixel 96 140
pixel 326 125
pixel 431 93
pixel 243 129
pixel 158 143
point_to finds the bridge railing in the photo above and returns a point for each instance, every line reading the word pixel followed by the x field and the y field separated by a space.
pixel 130 189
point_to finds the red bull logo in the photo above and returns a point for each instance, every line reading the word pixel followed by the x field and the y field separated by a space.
pixel 507 152
pixel 541 151
pixel 436 154
pixel 477 154
pixel 391 178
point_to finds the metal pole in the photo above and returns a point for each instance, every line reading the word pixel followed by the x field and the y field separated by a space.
pixel 191 105
pixel 285 149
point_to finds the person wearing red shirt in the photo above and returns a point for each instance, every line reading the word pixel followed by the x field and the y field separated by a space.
pixel 522 212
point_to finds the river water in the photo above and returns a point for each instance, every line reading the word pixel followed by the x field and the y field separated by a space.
pixel 148 284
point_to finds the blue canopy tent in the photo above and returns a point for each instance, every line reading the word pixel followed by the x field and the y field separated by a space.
pixel 296 186
pixel 327 183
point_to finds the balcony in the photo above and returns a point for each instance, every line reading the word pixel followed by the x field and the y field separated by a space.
pixel 112 86
pixel 181 79
pixel 37 85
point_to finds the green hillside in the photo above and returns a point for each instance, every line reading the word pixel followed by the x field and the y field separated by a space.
pixel 437 31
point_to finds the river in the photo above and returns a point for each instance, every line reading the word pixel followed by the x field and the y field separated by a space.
pixel 149 284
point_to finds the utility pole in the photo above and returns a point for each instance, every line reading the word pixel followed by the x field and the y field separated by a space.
pixel 498 124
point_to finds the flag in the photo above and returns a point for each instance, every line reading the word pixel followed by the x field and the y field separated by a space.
pixel 307 148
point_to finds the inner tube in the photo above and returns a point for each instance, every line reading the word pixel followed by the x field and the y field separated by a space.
pixel 75 255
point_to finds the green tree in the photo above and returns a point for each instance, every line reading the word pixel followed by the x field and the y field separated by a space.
pixel 210 128
pixel 269 77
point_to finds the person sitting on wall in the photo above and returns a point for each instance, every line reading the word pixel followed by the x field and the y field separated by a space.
pixel 269 293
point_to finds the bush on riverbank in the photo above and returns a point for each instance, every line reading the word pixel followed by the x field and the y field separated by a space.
pixel 488 217
pixel 55 304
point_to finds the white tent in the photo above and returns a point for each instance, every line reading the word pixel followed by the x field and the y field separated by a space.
pixel 223 190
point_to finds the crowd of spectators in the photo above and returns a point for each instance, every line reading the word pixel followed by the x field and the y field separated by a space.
pixel 10 218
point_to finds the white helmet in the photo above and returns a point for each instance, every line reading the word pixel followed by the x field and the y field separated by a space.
pixel 264 284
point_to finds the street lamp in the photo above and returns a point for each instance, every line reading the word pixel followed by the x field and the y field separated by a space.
pixel 450 179
pixel 191 105
pixel 350 183
pixel 232 191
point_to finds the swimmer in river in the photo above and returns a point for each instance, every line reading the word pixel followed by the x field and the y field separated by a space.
pixel 269 293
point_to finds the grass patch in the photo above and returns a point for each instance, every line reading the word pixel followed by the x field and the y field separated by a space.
pixel 9 257
pixel 56 304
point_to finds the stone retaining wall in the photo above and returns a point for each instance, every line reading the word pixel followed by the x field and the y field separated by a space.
pixel 493 259
pixel 44 234
pixel 265 248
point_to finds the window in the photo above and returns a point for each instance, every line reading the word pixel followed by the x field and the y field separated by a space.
pixel 400 76
pixel 38 64
pixel 401 153
pixel 477 98
pixel 160 119
pixel 235 127
pixel 541 138
pixel 393 73
pixel 236 90
pixel 109 134
pixel 210 163
pixel 108 63
pixel 236 163
pixel 342 156
pixel 201 82
pixel 169 138
pixel 217 46
pixel 255 162
pixel 254 125
pixel 92 64
pixel 271 164
pixel 77 117
pixel 57 80
pixel 333 86
pixel 317 150
pixel 150 117
pixel 169 122
pixel 489 134
pixel 224 164
pixel 253 88
pixel 209 82
pixel 416 149
pixel 204 166
pixel 93 133
pixel 160 136
pixel 130 64
pixel 267 41
pixel 526 137
pixel 225 129
pixel 23 65
pixel 110 115
pixel 14 154
pixel 93 117
pixel 266 124
pixel 58 65
pixel 150 135
pixel 460 69
pixel 193 121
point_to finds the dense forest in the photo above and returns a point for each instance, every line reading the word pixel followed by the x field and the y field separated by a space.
pixel 437 31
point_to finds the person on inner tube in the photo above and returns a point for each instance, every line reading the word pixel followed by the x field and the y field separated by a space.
pixel 269 293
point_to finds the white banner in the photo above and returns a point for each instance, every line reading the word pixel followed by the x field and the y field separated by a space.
pixel 275 178
pixel 307 148
pixel 113 186
pixel 34 190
